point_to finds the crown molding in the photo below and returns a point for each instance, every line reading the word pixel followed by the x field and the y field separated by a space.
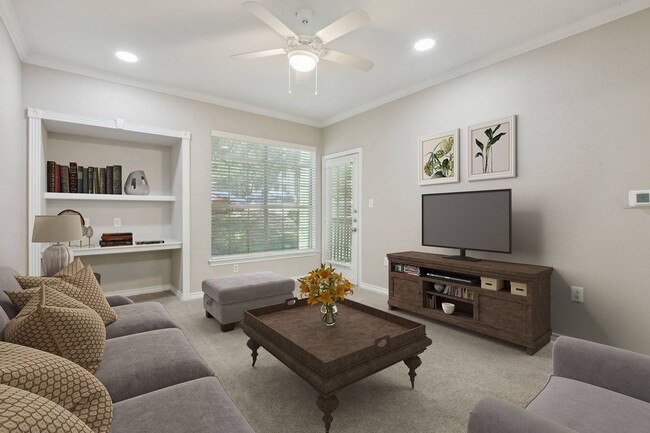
pixel 608 15
pixel 9 17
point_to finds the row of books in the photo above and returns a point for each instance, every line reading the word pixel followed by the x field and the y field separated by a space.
pixel 116 239
pixel 459 292
pixel 411 270
pixel 77 179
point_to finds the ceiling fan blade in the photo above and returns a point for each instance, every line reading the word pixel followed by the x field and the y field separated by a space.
pixel 347 60
pixel 269 19
pixel 259 54
pixel 352 21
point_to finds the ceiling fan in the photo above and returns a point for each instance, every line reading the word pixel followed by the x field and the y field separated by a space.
pixel 304 52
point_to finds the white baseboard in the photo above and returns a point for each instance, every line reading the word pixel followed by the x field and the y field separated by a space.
pixel 373 288
pixel 196 295
pixel 143 290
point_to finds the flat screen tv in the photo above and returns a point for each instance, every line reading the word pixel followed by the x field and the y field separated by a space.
pixel 472 220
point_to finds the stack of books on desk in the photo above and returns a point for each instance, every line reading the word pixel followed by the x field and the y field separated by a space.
pixel 116 239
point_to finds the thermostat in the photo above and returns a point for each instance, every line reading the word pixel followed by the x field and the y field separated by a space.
pixel 639 198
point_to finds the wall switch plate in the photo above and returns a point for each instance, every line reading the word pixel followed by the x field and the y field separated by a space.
pixel 577 294
pixel 371 203
pixel 235 268
pixel 386 261
pixel 117 222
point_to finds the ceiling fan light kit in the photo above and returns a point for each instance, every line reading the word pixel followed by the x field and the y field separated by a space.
pixel 304 52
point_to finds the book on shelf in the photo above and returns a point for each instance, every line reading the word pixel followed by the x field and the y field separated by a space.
pixel 57 178
pixel 411 270
pixel 96 181
pixel 65 179
pixel 117 179
pixel 85 178
pixel 102 180
pixel 115 243
pixel 109 179
pixel 149 242
pixel 51 169
pixel 80 179
pixel 91 174
pixel 73 177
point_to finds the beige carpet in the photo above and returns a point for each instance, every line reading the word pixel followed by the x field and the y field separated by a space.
pixel 457 370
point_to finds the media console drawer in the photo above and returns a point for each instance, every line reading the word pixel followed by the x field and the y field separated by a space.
pixel 502 314
pixel 407 291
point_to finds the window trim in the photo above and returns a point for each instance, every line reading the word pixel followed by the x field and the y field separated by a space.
pixel 272 255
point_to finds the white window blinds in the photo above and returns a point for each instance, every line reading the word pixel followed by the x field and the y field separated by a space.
pixel 339 213
pixel 263 197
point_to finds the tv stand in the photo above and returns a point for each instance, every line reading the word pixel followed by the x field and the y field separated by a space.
pixel 463 256
pixel 520 316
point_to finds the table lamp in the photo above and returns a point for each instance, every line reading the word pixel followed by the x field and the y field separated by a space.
pixel 60 228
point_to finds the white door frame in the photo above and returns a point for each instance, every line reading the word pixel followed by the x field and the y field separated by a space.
pixel 356 151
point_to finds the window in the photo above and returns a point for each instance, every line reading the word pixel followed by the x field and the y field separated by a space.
pixel 263 198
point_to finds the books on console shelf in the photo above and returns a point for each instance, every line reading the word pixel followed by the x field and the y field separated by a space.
pixel 116 239
pixel 459 292
pixel 412 270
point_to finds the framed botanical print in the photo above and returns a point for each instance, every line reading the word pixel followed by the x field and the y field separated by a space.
pixel 438 158
pixel 492 149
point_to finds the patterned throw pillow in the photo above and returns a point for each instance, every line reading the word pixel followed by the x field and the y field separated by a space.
pixel 59 380
pixel 22 411
pixel 82 286
pixel 71 269
pixel 66 328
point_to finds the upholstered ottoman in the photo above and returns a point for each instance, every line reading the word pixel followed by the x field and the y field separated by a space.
pixel 226 298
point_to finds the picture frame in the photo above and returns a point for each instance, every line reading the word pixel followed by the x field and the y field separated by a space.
pixel 491 149
pixel 438 158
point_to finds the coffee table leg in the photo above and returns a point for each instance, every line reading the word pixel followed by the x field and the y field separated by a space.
pixel 412 363
pixel 252 345
pixel 327 405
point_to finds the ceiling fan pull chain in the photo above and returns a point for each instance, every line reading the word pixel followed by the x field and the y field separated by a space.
pixel 316 80
pixel 289 78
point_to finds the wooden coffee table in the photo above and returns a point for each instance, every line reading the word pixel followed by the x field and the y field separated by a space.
pixel 364 341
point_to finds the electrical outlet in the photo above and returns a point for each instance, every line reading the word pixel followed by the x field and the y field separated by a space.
pixel 235 268
pixel 577 294
pixel 386 261
pixel 117 222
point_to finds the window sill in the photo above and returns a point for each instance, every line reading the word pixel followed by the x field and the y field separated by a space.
pixel 261 257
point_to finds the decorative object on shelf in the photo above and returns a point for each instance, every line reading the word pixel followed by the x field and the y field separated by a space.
pixel 491 150
pixel 60 228
pixel 84 229
pixel 439 287
pixel 438 158
pixel 136 184
pixel 325 286
pixel 89 232
pixel 448 307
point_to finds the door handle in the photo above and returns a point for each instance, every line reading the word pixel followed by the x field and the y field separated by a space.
pixel 353 229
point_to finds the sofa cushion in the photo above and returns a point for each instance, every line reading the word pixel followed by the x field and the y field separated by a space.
pixel 140 363
pixel 22 411
pixel 73 268
pixel 82 286
pixel 59 380
pixel 54 322
pixel 587 408
pixel 8 282
pixel 136 318
pixel 4 319
pixel 203 403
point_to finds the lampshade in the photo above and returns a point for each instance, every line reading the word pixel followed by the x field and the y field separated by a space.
pixel 60 228
pixel 302 60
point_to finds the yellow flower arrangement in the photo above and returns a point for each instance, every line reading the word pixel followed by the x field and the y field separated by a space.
pixel 325 286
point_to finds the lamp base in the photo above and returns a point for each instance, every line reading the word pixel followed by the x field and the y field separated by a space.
pixel 55 258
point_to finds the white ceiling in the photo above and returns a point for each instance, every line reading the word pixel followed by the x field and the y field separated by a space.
pixel 185 46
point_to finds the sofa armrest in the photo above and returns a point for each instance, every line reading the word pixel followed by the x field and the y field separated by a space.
pixel 608 367
pixel 116 300
pixel 492 415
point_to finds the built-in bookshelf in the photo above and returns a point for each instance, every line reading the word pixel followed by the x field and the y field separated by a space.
pixel 162 215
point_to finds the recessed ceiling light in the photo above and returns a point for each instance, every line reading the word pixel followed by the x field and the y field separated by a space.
pixel 126 56
pixel 424 44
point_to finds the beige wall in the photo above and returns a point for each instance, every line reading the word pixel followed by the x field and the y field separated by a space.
pixel 582 105
pixel 13 151
pixel 69 93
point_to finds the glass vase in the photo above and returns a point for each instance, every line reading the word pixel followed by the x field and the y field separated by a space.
pixel 329 313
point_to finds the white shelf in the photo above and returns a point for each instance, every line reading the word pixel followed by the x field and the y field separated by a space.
pixel 96 250
pixel 107 197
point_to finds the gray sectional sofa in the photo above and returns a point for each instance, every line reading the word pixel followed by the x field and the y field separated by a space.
pixel 157 381
pixel 594 389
